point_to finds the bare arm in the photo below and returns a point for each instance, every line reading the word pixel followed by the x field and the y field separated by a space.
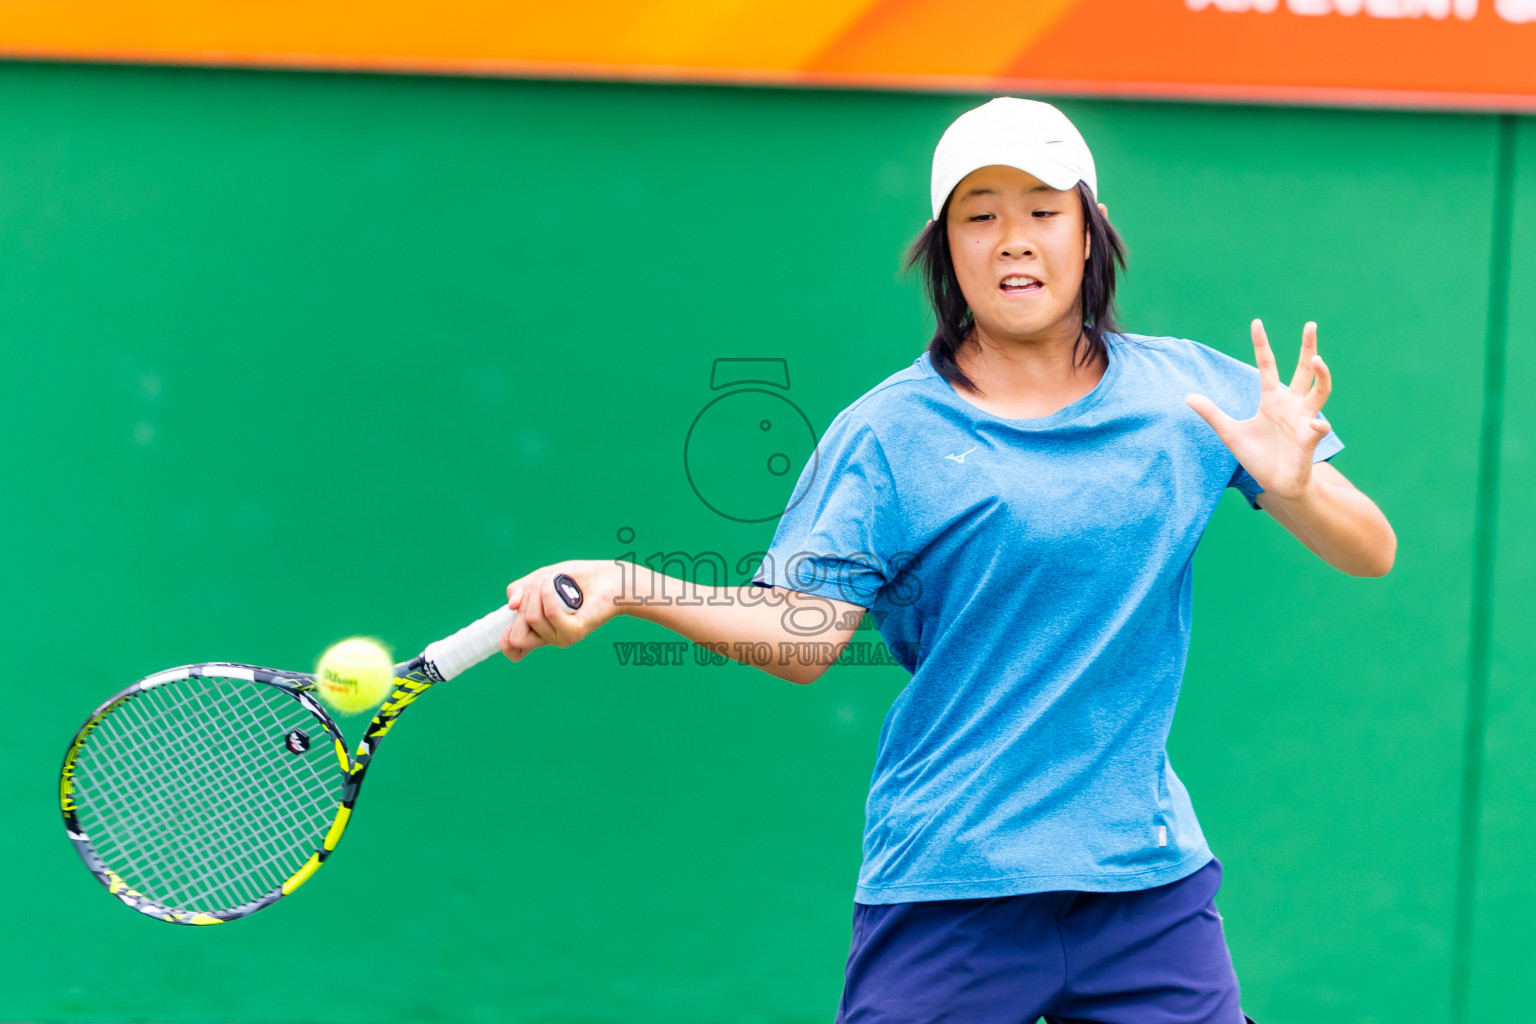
pixel 1337 523
pixel 735 621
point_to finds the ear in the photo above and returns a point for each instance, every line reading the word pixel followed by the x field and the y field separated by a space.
pixel 1104 210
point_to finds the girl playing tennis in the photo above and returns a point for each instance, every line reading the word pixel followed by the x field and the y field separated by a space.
pixel 1019 509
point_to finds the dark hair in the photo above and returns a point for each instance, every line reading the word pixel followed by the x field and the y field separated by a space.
pixel 929 254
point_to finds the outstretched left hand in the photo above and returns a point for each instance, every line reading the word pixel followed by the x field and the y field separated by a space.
pixel 1277 444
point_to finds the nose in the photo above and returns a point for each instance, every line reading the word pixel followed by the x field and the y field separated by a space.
pixel 1016 241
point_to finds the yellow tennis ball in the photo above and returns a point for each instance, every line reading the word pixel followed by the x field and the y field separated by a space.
pixel 355 675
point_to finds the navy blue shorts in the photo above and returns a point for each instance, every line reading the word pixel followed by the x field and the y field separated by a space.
pixel 1153 956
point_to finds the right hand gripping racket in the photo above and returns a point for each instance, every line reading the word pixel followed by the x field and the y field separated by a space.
pixel 208 792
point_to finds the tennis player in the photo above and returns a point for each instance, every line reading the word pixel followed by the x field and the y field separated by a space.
pixel 1019 509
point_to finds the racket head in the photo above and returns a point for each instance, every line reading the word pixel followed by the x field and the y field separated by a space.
pixel 207 792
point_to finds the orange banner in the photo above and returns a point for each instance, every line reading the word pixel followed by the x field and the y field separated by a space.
pixel 1417 53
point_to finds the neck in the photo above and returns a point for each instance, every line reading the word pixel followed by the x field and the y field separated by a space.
pixel 1025 378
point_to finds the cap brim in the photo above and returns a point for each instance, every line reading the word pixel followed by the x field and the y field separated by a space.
pixel 1056 175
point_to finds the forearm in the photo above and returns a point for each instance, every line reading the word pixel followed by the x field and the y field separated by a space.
pixel 745 622
pixel 1337 523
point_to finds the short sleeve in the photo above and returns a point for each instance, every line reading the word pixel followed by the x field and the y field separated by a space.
pixel 841 535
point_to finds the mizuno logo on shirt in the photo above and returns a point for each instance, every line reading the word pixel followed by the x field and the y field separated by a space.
pixel 962 455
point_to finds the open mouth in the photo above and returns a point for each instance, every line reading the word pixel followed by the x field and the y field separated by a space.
pixel 1020 284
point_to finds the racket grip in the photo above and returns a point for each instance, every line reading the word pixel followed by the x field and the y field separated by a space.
pixel 482 638
pixel 470 645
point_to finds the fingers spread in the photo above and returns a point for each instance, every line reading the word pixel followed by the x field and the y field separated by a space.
pixel 1319 395
pixel 1208 411
pixel 1319 430
pixel 1264 357
pixel 1301 380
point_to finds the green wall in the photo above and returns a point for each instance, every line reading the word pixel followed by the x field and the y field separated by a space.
pixel 290 357
pixel 1503 946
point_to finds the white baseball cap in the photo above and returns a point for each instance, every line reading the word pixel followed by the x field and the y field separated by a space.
pixel 1032 136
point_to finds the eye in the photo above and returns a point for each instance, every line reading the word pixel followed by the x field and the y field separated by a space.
pixel 1047 213
pixel 982 216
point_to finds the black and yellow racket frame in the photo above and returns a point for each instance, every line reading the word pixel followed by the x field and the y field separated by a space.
pixel 412 679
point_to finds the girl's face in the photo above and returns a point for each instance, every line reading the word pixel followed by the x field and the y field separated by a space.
pixel 1018 247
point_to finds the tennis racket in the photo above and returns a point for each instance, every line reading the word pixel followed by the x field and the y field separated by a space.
pixel 204 793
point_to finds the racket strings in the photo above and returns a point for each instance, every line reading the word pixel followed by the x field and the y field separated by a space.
pixel 189 792
pixel 157 773
pixel 163 775
pixel 221 862
pixel 234 859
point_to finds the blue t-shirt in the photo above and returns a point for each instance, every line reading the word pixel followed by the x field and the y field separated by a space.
pixel 1034 577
